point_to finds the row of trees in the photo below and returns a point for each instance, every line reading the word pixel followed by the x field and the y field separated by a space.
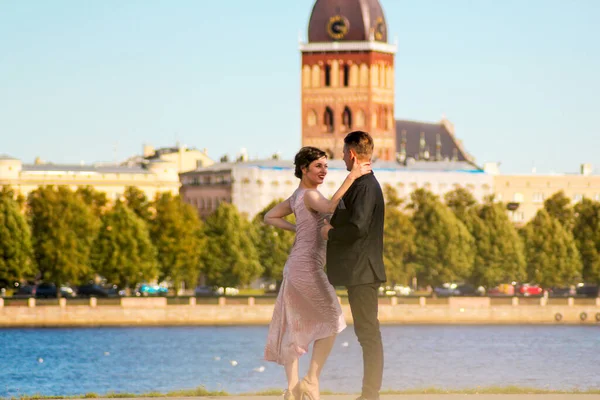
pixel 459 239
pixel 66 236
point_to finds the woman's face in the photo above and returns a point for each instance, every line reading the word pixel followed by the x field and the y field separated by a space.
pixel 316 171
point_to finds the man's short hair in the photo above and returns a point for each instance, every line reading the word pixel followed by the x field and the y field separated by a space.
pixel 361 142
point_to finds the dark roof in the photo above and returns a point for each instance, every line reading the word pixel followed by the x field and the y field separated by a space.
pixel 412 131
pixel 7 157
pixel 362 18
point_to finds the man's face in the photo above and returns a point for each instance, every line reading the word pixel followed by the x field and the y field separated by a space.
pixel 348 158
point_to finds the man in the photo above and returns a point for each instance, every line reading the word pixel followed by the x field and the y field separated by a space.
pixel 355 257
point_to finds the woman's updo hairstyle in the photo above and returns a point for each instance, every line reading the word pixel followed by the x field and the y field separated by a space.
pixel 305 156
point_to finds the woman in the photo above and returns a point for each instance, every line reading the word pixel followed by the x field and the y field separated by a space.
pixel 307 308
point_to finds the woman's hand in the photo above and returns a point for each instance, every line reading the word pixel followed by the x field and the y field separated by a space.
pixel 360 169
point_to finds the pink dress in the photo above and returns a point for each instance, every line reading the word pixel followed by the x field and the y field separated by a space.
pixel 307 308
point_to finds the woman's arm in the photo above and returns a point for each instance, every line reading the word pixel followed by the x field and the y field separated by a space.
pixel 315 201
pixel 275 216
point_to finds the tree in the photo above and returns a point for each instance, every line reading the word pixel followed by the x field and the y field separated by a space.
pixel 123 252
pixel 586 232
pixel 9 192
pixel 15 243
pixel 550 251
pixel 93 198
pixel 398 240
pixel 559 206
pixel 462 202
pixel 230 259
pixel 272 244
pixel 176 232
pixel 63 229
pixel 500 256
pixel 445 249
pixel 137 201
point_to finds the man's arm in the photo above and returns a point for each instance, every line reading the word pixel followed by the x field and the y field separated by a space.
pixel 362 202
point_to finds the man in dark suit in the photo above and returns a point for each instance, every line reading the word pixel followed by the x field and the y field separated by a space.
pixel 355 257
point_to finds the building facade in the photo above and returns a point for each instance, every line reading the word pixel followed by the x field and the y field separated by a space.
pixel 529 191
pixel 158 176
pixel 348 77
pixel 251 186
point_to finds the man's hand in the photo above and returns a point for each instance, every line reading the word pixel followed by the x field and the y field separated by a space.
pixel 325 229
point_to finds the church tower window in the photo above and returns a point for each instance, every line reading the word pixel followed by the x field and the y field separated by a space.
pixel 328 120
pixel 347 118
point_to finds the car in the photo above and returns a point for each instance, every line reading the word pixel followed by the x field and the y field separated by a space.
pixel 504 289
pixel 565 291
pixel 402 290
pixel 48 290
pixel 24 291
pixel 587 290
pixel 528 289
pixel 92 290
pixel 447 289
pixel 227 291
pixel 204 291
pixel 146 289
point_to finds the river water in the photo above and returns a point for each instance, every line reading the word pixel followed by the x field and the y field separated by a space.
pixel 138 360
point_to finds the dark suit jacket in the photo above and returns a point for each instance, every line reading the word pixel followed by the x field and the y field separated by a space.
pixel 355 245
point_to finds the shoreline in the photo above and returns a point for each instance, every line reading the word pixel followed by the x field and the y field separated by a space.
pixel 497 392
pixel 149 312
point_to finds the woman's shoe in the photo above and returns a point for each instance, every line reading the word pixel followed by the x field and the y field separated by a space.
pixel 288 395
pixel 306 391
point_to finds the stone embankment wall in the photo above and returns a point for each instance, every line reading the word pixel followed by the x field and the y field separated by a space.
pixel 156 312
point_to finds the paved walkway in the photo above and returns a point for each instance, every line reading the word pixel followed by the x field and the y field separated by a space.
pixel 409 397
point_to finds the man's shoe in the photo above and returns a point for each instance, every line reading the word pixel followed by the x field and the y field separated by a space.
pixel 361 397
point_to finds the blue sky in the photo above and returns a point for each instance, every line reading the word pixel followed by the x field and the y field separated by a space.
pixel 92 81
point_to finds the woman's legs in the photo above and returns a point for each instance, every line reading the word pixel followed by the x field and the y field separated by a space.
pixel 321 350
pixel 291 372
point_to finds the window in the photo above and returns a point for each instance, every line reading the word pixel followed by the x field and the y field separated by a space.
pixel 498 196
pixel 577 197
pixel 518 216
pixel 328 120
pixel 311 119
pixel 328 75
pixel 347 118
pixel 360 119
pixel 518 198
pixel 346 75
pixel 538 197
pixel 597 197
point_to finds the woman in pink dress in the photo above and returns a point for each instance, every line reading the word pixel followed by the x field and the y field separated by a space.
pixel 307 309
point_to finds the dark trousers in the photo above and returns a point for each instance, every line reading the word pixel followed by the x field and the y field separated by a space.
pixel 364 307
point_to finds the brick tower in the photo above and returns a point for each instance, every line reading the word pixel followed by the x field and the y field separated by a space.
pixel 348 77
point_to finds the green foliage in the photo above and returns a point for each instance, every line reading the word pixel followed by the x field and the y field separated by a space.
pixel 586 231
pixel 63 229
pixel 559 206
pixel 176 232
pixel 550 251
pixel 123 252
pixel 93 198
pixel 445 248
pixel 500 256
pixel 137 201
pixel 273 244
pixel 461 202
pixel 230 259
pixel 15 242
pixel 398 240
